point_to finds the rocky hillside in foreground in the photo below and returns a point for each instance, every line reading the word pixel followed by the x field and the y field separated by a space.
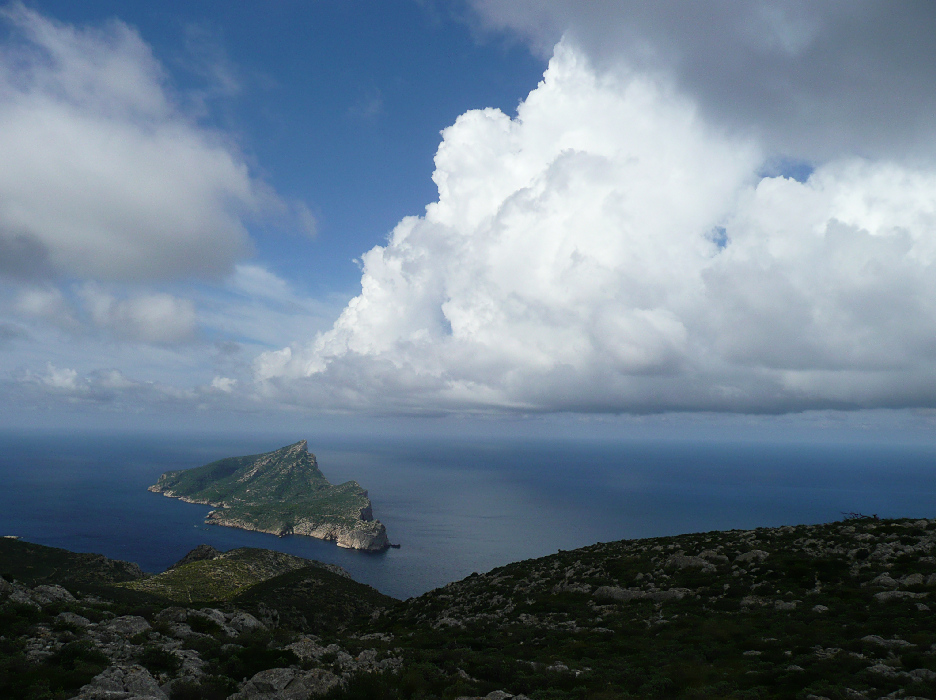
pixel 826 611
pixel 282 493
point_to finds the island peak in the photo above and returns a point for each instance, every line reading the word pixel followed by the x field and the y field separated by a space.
pixel 282 492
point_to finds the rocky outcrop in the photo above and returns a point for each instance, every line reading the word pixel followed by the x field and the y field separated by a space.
pixel 369 536
pixel 123 682
pixel 202 552
pixel 287 684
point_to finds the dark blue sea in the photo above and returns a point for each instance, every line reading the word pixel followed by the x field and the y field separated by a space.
pixel 456 507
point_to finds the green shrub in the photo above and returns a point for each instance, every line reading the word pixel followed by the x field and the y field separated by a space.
pixel 157 660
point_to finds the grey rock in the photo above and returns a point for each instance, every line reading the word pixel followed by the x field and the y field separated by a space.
pixel 244 622
pixel 912 580
pixel 122 682
pixel 713 556
pixel 681 561
pixel 884 596
pixel 46 595
pixel 616 593
pixel 567 587
pixel 306 649
pixel 448 622
pixel 753 555
pixel 852 694
pixel 193 665
pixel 886 643
pixel 923 674
pixel 173 614
pixel 23 596
pixel 212 614
pixel 668 594
pixel 820 609
pixel 884 670
pixel 71 618
pixel 180 630
pixel 287 684
pixel 215 616
pixel 127 626
pixel 885 580
pixel 6 588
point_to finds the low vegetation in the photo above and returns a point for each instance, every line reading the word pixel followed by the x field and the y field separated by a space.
pixel 836 611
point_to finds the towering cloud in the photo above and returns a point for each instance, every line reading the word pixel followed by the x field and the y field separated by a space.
pixel 611 249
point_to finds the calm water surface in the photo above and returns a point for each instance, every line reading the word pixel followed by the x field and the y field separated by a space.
pixel 455 507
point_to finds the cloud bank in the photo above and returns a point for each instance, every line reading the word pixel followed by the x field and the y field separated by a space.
pixel 813 80
pixel 614 249
pixel 104 177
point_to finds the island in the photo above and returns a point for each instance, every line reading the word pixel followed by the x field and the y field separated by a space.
pixel 283 493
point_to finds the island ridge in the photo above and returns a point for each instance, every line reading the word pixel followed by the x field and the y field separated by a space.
pixel 281 492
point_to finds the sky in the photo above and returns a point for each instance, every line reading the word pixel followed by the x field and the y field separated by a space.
pixel 407 215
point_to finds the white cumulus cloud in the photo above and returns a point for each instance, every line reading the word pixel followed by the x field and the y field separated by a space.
pixel 610 250
pixel 103 176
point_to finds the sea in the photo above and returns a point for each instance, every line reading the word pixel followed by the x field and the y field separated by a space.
pixel 456 506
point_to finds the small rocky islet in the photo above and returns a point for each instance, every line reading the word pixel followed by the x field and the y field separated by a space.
pixel 282 492
pixel 838 611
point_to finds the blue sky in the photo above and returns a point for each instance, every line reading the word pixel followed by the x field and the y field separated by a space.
pixel 619 217
pixel 336 105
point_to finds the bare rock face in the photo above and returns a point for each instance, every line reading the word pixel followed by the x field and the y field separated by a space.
pixel 371 536
pixel 367 535
pixel 122 682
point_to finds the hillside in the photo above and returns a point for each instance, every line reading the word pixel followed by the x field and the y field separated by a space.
pixel 836 611
pixel 211 575
pixel 281 492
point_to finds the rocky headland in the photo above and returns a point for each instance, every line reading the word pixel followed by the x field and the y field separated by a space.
pixel 282 493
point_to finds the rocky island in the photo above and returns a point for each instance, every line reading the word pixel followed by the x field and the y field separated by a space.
pixel 281 492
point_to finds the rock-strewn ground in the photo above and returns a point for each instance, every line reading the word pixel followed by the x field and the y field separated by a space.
pixel 838 611
pixel 826 611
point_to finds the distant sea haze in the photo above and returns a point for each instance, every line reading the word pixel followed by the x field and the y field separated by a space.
pixel 455 506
